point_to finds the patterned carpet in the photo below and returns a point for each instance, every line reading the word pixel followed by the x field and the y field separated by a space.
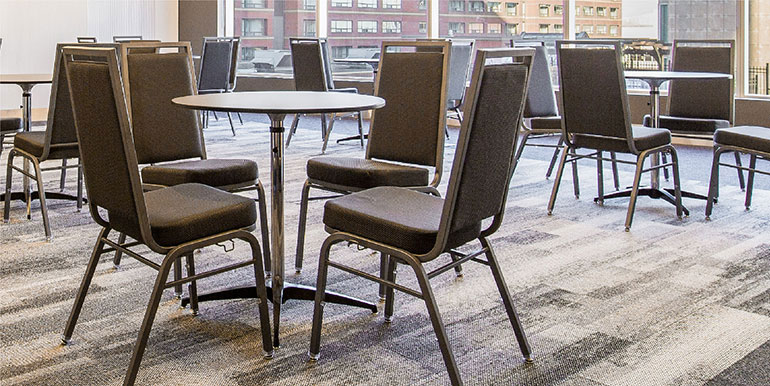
pixel 672 302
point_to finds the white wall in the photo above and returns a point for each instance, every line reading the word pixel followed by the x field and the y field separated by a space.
pixel 31 28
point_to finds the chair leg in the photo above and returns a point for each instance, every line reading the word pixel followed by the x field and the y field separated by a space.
pixel 240 119
pixel 178 276
pixel 557 181
pixel 263 227
pixel 740 172
pixel 521 337
pixel 8 181
pixel 80 186
pixel 665 170
pixel 677 182
pixel 264 313
pixel 328 134
pixel 41 198
pixel 575 179
pixel 458 268
pixel 600 178
pixel 323 269
pixel 84 284
pixel 214 113
pixel 293 129
pixel 323 126
pixel 384 261
pixel 361 128
pixel 63 177
pixel 390 294
pixel 615 177
pixel 635 189
pixel 438 325
pixel 750 181
pixel 303 203
pixel 192 287
pixel 119 253
pixel 232 127
pixel 520 150
pixel 713 182
pixel 554 158
pixel 149 318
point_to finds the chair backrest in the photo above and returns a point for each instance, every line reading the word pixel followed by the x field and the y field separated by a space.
pixel 162 131
pixel 541 100
pixel 483 163
pixel 216 60
pixel 106 148
pixel 126 38
pixel 413 79
pixel 86 39
pixel 593 90
pixel 307 61
pixel 459 68
pixel 236 53
pixel 325 56
pixel 704 98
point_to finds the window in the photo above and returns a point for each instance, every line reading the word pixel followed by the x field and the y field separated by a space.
pixel 588 28
pixel 588 11
pixel 476 28
pixel 578 10
pixel 544 10
pixel 308 28
pixel 367 3
pixel 759 48
pixel 601 11
pixel 558 10
pixel 253 27
pixel 367 26
pixel 422 5
pixel 613 13
pixel 601 29
pixel 493 6
pixel 422 27
pixel 476 6
pixel 254 3
pixel 341 26
pixel 494 28
pixel 578 28
pixel 457 6
pixel 543 28
pixel 342 3
pixel 614 30
pixel 456 28
pixel 391 4
pixel 558 28
pixel 340 51
pixel 511 29
pixel 511 8
pixel 391 27
pixel 248 53
pixel 308 4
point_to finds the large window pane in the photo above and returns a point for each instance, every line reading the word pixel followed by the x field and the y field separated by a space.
pixel 759 47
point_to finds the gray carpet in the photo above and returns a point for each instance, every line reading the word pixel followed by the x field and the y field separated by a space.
pixel 671 302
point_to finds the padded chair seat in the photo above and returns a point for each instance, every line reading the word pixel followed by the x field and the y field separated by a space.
pixel 211 172
pixel 545 124
pixel 33 143
pixel 399 217
pixel 365 173
pixel 688 125
pixel 10 125
pixel 187 212
pixel 645 138
pixel 749 137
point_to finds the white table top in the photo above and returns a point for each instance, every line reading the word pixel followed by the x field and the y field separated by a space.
pixel 25 78
pixel 656 78
pixel 282 102
pixel 357 60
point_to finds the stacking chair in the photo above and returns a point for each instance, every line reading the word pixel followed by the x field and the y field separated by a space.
pixel 753 140
pixel 86 39
pixel 312 72
pixel 698 107
pixel 216 70
pixel 126 38
pixel 596 117
pixel 416 228
pixel 459 68
pixel 173 221
pixel 57 142
pixel 406 137
pixel 236 53
pixel 169 138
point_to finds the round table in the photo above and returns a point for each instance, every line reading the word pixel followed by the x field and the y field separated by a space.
pixel 277 104
pixel 26 82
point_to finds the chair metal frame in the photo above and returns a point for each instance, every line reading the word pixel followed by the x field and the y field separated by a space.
pixel 720 149
pixel 569 153
pixel 416 261
pixel 431 188
pixel 126 38
pixel 234 49
pixel 171 253
pixel 86 39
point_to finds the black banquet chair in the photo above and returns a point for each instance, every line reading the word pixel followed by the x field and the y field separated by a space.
pixel 596 117
pixel 414 228
pixel 173 221
pixel 217 74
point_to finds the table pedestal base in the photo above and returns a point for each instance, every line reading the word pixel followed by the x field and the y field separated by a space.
pixel 19 196
pixel 665 194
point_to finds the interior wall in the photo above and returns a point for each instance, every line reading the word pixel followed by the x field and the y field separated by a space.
pixel 197 19
pixel 31 28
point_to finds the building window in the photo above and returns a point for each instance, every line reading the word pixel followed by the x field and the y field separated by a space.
pixel 588 28
pixel 254 3
pixel 308 4
pixel 601 11
pixel 476 28
pixel 457 6
pixel 511 8
pixel 476 6
pixel 588 11
pixel 558 10
pixel 308 28
pixel 367 3
pixel 254 27
pixel 391 4
pixel 544 28
pixel 494 28
pixel 613 13
pixel 614 30
pixel 456 28
pixel 493 6
pixel 511 29
pixel 601 29
pixel 558 28
pixel 578 28
pixel 422 5
pixel 422 27
pixel 342 3
pixel 339 52
pixel 367 26
pixel 391 27
pixel 544 10
pixel 578 9
pixel 341 26
pixel 248 53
